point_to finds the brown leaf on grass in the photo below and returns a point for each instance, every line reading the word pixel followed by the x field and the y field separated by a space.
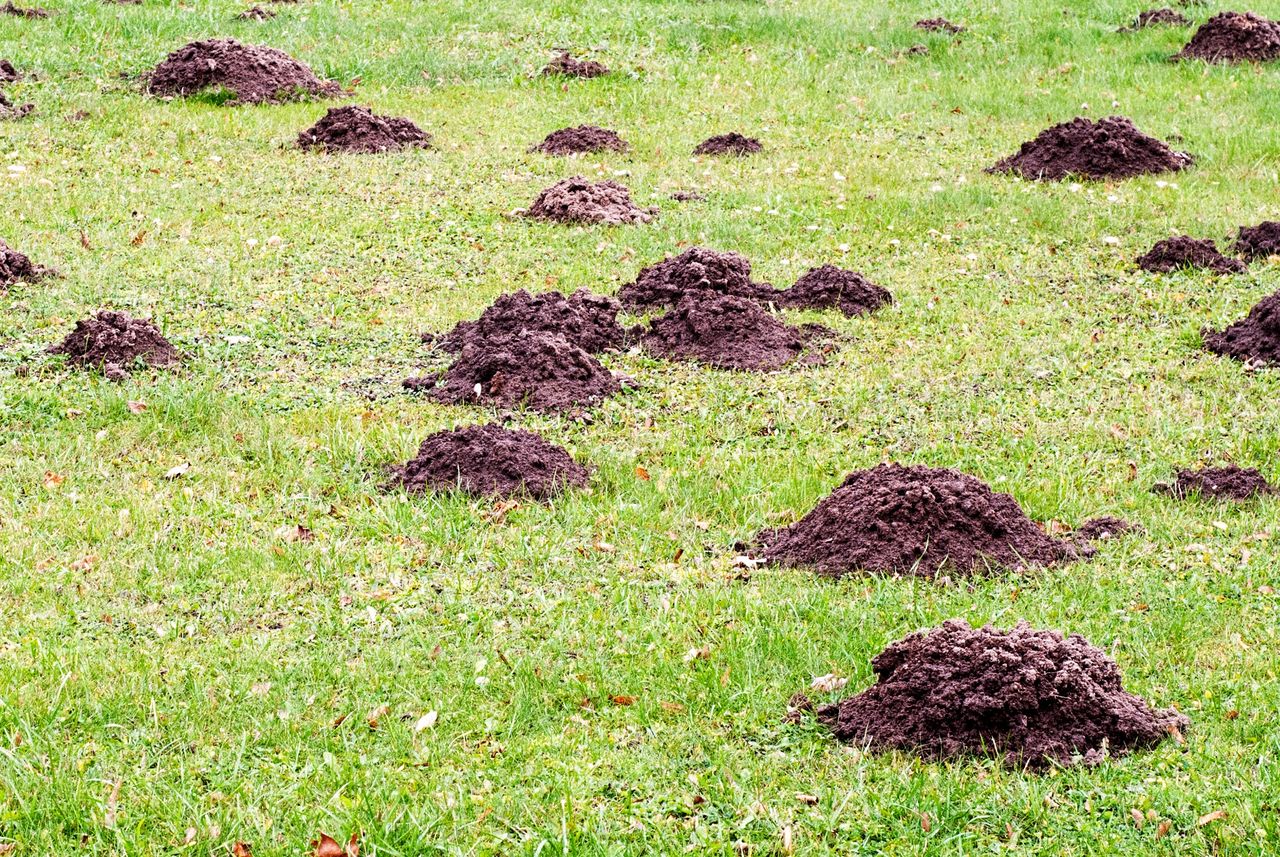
pixel 53 480
pixel 1138 818
pixel 84 242
pixel 295 533
pixel 925 824
pixel 377 714
pixel 137 406
pixel 7 848
pixel 327 846
pixel 622 700
pixel 807 799
pixel 241 849
pixel 138 238
pixel 1163 830
pixel 1210 817
pixel 641 473
pixel 113 806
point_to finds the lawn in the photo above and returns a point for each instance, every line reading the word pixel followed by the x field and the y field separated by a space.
pixel 181 671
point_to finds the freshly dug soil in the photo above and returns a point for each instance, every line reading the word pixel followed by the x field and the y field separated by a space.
pixel 1218 483
pixel 543 373
pixel 24 12
pixel 15 266
pixel 360 130
pixel 895 519
pixel 1110 148
pixel 10 111
pixel 8 74
pixel 582 140
pixel 829 287
pixel 1157 17
pixel 566 66
pixel 694 270
pixel 1183 251
pixel 254 73
pixel 938 25
pixel 114 342
pixel 1254 339
pixel 732 143
pixel 257 13
pixel 585 320
pixel 1030 698
pixel 577 200
pixel 490 461
pixel 724 331
pixel 1234 37
pixel 1258 242
pixel 687 196
pixel 1100 529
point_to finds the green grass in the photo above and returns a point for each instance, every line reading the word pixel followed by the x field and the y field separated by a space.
pixel 162 637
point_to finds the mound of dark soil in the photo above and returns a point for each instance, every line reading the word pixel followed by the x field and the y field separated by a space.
pixel 15 266
pixel 8 74
pixel 9 110
pixel 490 461
pixel 1234 37
pixel 1024 696
pixel 566 66
pixel 829 287
pixel 1155 18
pixel 1255 339
pixel 724 331
pixel 360 130
pixel 938 25
pixel 895 519
pixel 114 342
pixel 256 13
pixel 577 200
pixel 1218 483
pixel 1258 242
pixel 1183 251
pixel 253 73
pixel 1100 529
pixel 1110 148
pixel 687 196
pixel 582 140
pixel 24 12
pixel 732 143
pixel 694 270
pixel 586 320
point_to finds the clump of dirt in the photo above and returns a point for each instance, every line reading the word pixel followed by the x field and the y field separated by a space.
pixel 15 267
pixel 697 269
pixel 1024 696
pixel 1255 339
pixel 895 519
pixel 360 130
pixel 565 65
pixel 1155 18
pixel 10 111
pixel 732 143
pixel 24 12
pixel 724 331
pixel 1102 528
pixel 586 320
pixel 938 25
pixel 490 461
pixel 1183 251
pixel 114 342
pixel 829 287
pixel 577 200
pixel 1110 148
pixel 256 13
pixel 9 74
pixel 254 74
pixel 1258 242
pixel 1234 37
pixel 687 196
pixel 1218 483
pixel 582 140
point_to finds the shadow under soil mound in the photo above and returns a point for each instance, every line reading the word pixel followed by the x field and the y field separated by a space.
pixel 252 73
pixel 1234 37
pixel 17 267
pixel 1254 339
pixel 115 342
pixel 360 130
pixel 726 332
pixel 582 140
pixel 1027 697
pixel 1108 148
pixel 1183 251
pixel 829 287
pixel 577 200
pixel 695 270
pixel 1259 242
pixel 565 65
pixel 586 320
pixel 732 143
pixel 1218 483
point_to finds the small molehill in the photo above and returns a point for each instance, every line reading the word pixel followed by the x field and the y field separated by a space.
pixel 256 13
pixel 732 143
pixel 829 287
pixel 1255 339
pixel 697 269
pixel 1183 251
pixel 9 74
pixel 899 520
pixel 116 342
pixel 253 74
pixel 1165 17
pixel 1234 37
pixel 1218 483
pixel 726 332
pixel 1102 528
pixel 565 65
pixel 577 200
pixel 11 111
pixel 17 267
pixel 1258 242
pixel 1110 148
pixel 938 25
pixel 360 130
pixel 582 140
pixel 490 461
pixel 24 11
pixel 1026 697
pixel 584 319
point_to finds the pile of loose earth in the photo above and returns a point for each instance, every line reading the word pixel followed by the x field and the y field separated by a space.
pixel 17 267
pixel 24 11
pixel 1102 528
pixel 577 200
pixel 732 143
pixel 1110 148
pixel 1218 483
pixel 1028 697
pixel 582 140
pixel 9 74
pixel 1157 17
pixel 490 461
pixel 829 287
pixel 256 13
pixel 1254 339
pixel 1258 242
pixel 10 111
pixel 1183 251
pixel 900 520
pixel 252 73
pixel 360 130
pixel 114 342
pixel 695 270
pixel 565 65
pixel 586 320
pixel 938 25
pixel 725 331
pixel 1234 37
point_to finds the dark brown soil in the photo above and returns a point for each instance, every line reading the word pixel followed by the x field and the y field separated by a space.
pixel 726 332
pixel 694 270
pixel 8 74
pixel 732 143
pixel 15 267
pixel 577 200
pixel 1155 18
pixel 582 140
pixel 1100 529
pixel 116 342
pixel 938 25
pixel 360 130
pixel 490 461
pixel 565 65
pixel 687 196
pixel 24 11
pixel 1218 483
pixel 586 320
pixel 898 520
pixel 1183 251
pixel 1110 148
pixel 829 287
pixel 257 13
pixel 1254 339
pixel 1258 242
pixel 10 111
pixel 1027 697
pixel 1234 37
pixel 252 73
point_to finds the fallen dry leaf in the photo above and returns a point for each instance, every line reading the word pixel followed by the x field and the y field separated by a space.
pixel 53 480
pixel 622 700
pixel 1138 818
pixel 641 473
pixel 241 849
pixel 1163 830
pixel 1210 817
pixel 925 824
pixel 137 406
pixel 828 683
pixel 806 799
pixel 85 563
pixel 7 848
pixel 113 806
pixel 189 836
pixel 374 716
pixel 179 470
pixel 327 846
pixel 295 533
pixel 426 721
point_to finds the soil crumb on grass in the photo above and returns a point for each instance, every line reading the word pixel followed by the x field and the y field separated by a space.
pixel 697 269
pixel 732 143
pixel 687 196
pixel 1255 339
pixel 1165 17
pixel 10 111
pixel 938 25
pixel 24 11
pixel 1108 148
pixel 1027 697
pixel 1234 37
pixel 257 13
pixel 577 200
pixel 1258 242
pixel 360 130
pixel 1102 528
pixel 1218 483
pixel 1183 251
pixel 584 319
pixel 726 332
pixel 898 520
pixel 490 461
pixel 584 139
pixel 254 74
pixel 9 74
pixel 829 287
pixel 17 267
pixel 565 65
pixel 116 342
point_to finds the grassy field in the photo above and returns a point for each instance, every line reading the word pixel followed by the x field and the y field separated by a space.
pixel 179 672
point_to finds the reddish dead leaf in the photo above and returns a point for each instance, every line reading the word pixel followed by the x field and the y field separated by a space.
pixel 53 480
pixel 137 406
pixel 327 846
pixel 377 714
pixel 1163 829
pixel 1232 714
pixel 138 238
pixel 241 849
pixel 84 242
pixel 925 824
pixel 1210 817
pixel 85 563
pixel 641 473
pixel 1138 818
pixel 622 700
